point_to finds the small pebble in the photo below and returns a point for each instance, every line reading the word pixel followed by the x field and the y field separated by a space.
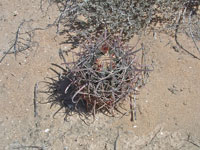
pixel 15 13
pixel 184 103
pixel 46 130
pixel 166 105
pixel 134 126
pixel 65 148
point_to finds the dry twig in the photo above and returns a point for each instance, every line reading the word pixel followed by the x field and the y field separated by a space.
pixel 35 99
pixel 20 43
pixel 191 34
pixel 180 18
pixel 189 139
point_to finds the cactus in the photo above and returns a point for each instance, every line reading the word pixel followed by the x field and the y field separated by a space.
pixel 105 72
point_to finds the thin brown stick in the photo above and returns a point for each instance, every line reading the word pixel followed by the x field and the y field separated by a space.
pixel 131 108
pixel 31 146
pixel 192 142
pixel 152 139
pixel 35 99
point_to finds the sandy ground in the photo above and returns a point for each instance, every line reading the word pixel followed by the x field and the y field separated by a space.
pixel 167 107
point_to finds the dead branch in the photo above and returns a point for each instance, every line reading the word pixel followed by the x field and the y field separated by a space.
pixel 33 147
pixel 191 33
pixel 21 42
pixel 154 136
pixel 189 139
pixel 176 34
